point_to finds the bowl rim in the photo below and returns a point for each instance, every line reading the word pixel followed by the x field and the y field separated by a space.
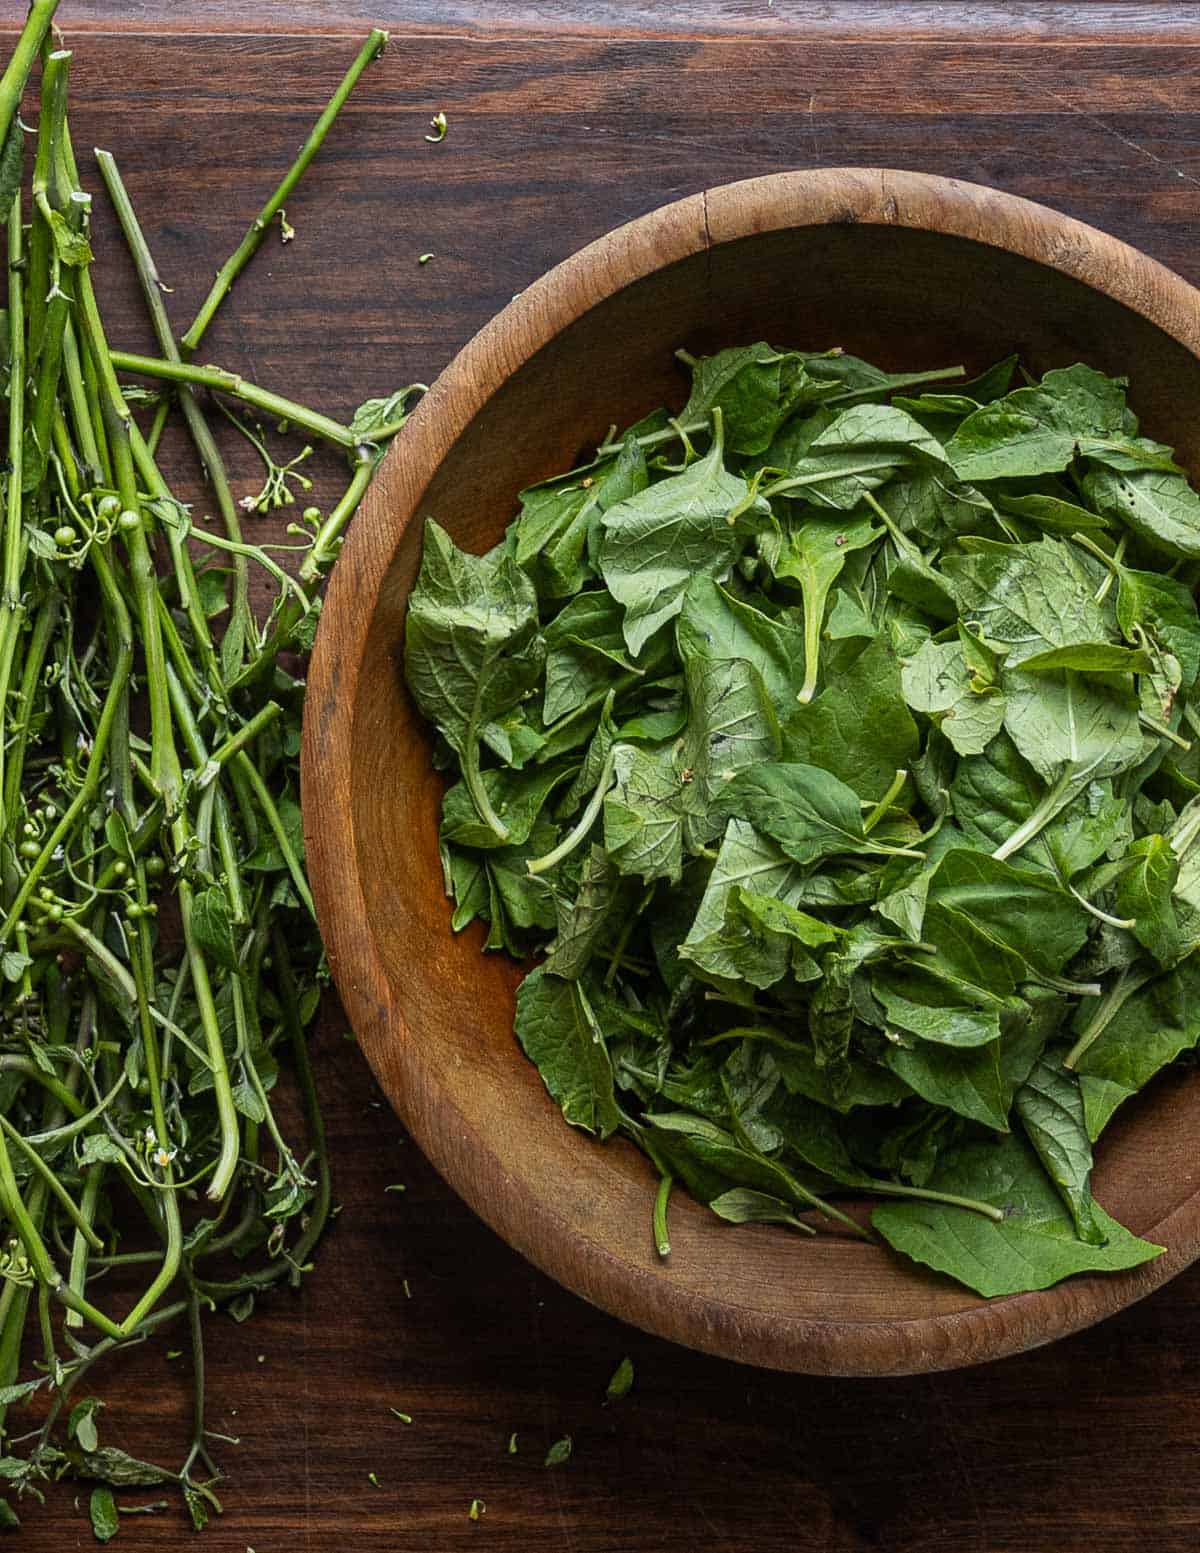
pixel 670 233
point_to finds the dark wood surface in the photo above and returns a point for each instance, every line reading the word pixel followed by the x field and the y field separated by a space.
pixel 555 137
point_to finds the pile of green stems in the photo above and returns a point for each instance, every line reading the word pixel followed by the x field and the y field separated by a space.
pixel 144 762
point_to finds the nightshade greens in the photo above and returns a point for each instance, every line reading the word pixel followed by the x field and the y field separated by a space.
pixel 832 743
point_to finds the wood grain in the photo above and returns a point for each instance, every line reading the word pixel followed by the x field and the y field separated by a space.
pixel 1085 1447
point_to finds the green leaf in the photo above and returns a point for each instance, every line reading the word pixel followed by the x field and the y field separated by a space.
pixel 81 1423
pixel 860 450
pixel 655 543
pixel 102 1508
pixel 1015 909
pixel 472 647
pixel 1165 607
pixel 1160 507
pixel 813 554
pixel 559 1453
pixel 748 859
pixel 713 624
pixel 1148 1031
pixel 212 926
pixel 12 168
pixel 585 649
pixel 1145 892
pixel 1050 1106
pixel 621 1383
pixel 741 1205
pixel 1090 658
pixel 1063 724
pixel 858 729
pixel 584 922
pixel 14 964
pixel 1052 513
pixel 1034 431
pixel 1029 597
pixel 806 810
pixel 71 247
pixel 755 387
pixel 966 1081
pixel 938 682
pixel 731 728
pixel 110 1465
pixel 558 1031
pixel 932 1015
pixel 1033 1247
pixel 643 812
pixel 996 792
pixel 14 1393
pixel 517 797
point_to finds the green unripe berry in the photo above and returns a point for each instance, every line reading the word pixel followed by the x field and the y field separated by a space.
pixel 108 506
pixel 120 869
pixel 55 913
pixel 311 514
pixel 155 868
pixel 129 520
pixel 64 536
pixel 29 849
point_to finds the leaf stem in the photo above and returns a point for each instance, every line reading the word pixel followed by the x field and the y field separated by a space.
pixel 218 380
pixel 662 1237
pixel 1109 1007
pixel 925 1194
pixel 257 229
pixel 583 825
pixel 886 802
pixel 1049 806
pixel 16 72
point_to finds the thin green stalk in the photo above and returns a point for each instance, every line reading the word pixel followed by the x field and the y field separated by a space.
pixel 324 545
pixel 50 293
pixel 217 380
pixel 271 814
pixel 77 1272
pixel 1129 982
pixel 227 845
pixel 662 1237
pixel 181 560
pixel 16 72
pixel 268 713
pixel 44 1173
pixel 1055 800
pixel 257 230
pixel 583 825
pixel 198 428
pixel 13 546
pixel 40 1260
pixel 119 671
pixel 82 422
pixel 886 802
pixel 925 1194
pixel 44 623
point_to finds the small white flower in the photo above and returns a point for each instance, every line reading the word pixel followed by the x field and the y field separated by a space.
pixel 150 1136
pixel 248 503
pixel 163 1157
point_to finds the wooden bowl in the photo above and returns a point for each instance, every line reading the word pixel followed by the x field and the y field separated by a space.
pixel 909 271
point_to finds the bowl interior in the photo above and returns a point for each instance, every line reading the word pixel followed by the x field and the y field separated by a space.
pixel 900 297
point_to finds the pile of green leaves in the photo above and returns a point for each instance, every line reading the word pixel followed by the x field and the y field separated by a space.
pixel 831 742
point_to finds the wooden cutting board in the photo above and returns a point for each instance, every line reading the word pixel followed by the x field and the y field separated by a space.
pixel 567 118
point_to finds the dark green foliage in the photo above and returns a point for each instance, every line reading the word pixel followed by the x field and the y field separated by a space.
pixel 847 831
